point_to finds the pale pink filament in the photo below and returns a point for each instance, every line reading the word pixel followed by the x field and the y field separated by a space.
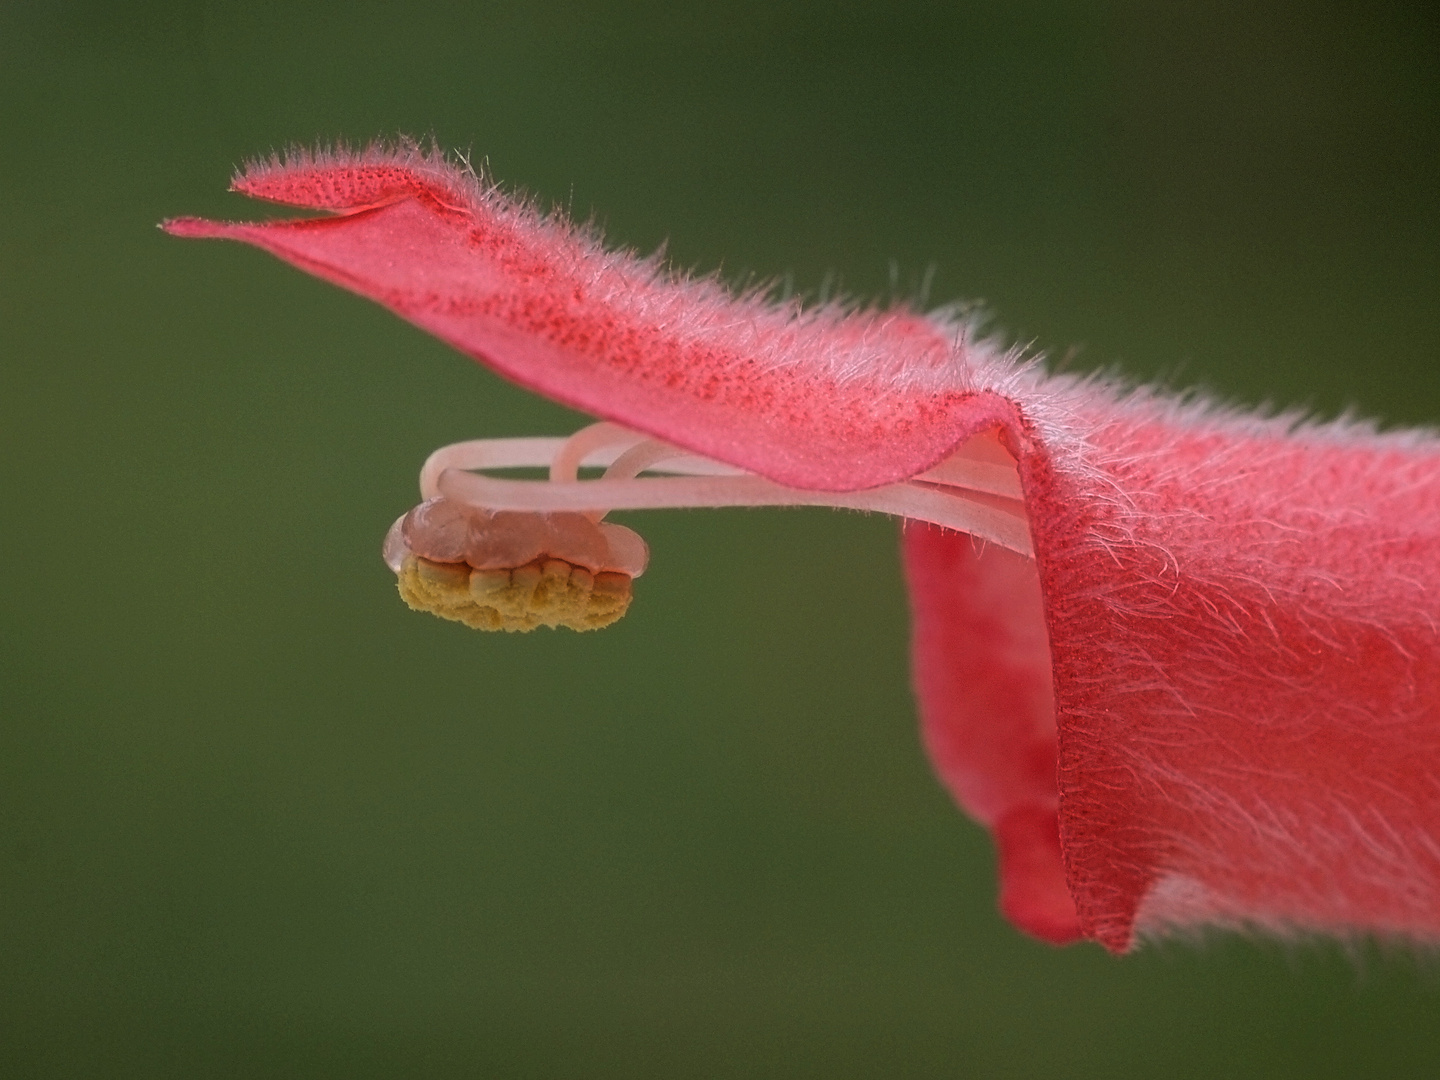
pixel 491 520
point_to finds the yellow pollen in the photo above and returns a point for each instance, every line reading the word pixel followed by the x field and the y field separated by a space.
pixel 546 592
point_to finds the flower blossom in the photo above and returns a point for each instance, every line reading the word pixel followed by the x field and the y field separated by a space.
pixel 1183 662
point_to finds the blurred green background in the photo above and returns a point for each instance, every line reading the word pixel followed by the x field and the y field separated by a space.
pixel 259 820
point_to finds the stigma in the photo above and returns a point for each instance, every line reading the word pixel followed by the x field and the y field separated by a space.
pixel 501 553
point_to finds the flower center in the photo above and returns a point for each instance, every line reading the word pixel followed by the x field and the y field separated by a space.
pixel 512 554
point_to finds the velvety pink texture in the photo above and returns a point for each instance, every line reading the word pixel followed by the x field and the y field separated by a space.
pixel 1214 696
pixel 824 399
pixel 1246 662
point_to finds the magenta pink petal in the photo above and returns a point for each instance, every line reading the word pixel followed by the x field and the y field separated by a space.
pixel 1246 660
pixel 1213 698
pixel 822 400
pixel 982 673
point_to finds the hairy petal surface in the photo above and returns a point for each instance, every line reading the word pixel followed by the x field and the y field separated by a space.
pixel 823 399
pixel 1245 658
pixel 1247 668
pixel 1213 698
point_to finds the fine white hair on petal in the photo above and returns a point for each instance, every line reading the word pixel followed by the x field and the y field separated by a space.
pixel 830 338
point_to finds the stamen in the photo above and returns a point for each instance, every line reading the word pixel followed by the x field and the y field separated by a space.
pixel 515 554
pixel 598 445
pixel 545 592
pixel 642 456
pixel 587 441
pixel 998 518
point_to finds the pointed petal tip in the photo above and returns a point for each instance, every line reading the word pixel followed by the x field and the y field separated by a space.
pixel 829 400
pixel 339 178
pixel 193 227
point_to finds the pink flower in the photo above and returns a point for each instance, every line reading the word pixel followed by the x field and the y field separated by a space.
pixel 1188 674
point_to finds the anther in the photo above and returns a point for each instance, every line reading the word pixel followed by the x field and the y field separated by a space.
pixel 505 554
pixel 546 592
pixel 445 531
pixel 514 570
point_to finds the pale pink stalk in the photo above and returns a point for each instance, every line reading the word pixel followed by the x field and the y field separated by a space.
pixel 1189 673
